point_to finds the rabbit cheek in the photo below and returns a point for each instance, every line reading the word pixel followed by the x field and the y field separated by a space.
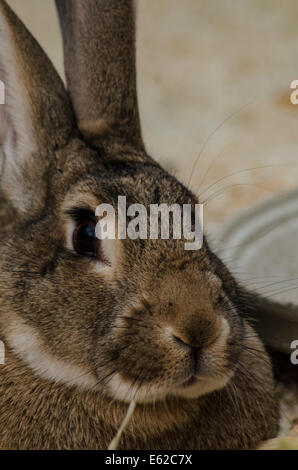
pixel 138 371
pixel 27 344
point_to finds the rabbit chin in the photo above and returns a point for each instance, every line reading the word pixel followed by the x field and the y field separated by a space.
pixel 203 385
pixel 124 391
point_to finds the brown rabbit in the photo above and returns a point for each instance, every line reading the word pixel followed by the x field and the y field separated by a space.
pixel 89 326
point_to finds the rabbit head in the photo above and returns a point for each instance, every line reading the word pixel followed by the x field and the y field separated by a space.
pixel 129 319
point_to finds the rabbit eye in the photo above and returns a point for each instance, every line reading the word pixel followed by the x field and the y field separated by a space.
pixel 84 239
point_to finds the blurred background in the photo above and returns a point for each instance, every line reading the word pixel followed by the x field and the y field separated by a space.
pixel 214 80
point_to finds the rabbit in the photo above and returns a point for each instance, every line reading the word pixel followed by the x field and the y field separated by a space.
pixel 90 325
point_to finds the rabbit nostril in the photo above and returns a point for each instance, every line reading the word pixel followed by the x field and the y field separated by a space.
pixel 180 341
pixel 185 343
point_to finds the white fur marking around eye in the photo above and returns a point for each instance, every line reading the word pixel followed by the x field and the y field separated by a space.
pixel 27 345
pixel 110 250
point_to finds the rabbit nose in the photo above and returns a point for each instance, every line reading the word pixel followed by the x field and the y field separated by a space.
pixel 196 334
pixel 184 342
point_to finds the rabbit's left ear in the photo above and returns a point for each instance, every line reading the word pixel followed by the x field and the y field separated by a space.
pixel 99 51
pixel 36 118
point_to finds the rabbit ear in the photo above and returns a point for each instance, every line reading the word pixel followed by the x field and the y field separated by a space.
pixel 99 49
pixel 36 118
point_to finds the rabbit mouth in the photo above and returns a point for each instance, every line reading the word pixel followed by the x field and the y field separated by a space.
pixel 192 387
pixel 196 386
pixel 189 382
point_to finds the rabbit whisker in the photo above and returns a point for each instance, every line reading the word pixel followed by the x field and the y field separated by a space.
pixel 230 116
pixel 222 190
pixel 224 178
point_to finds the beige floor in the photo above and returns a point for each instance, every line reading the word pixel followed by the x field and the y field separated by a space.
pixel 198 62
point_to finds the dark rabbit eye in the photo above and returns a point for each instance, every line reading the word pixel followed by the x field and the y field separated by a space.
pixel 84 238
